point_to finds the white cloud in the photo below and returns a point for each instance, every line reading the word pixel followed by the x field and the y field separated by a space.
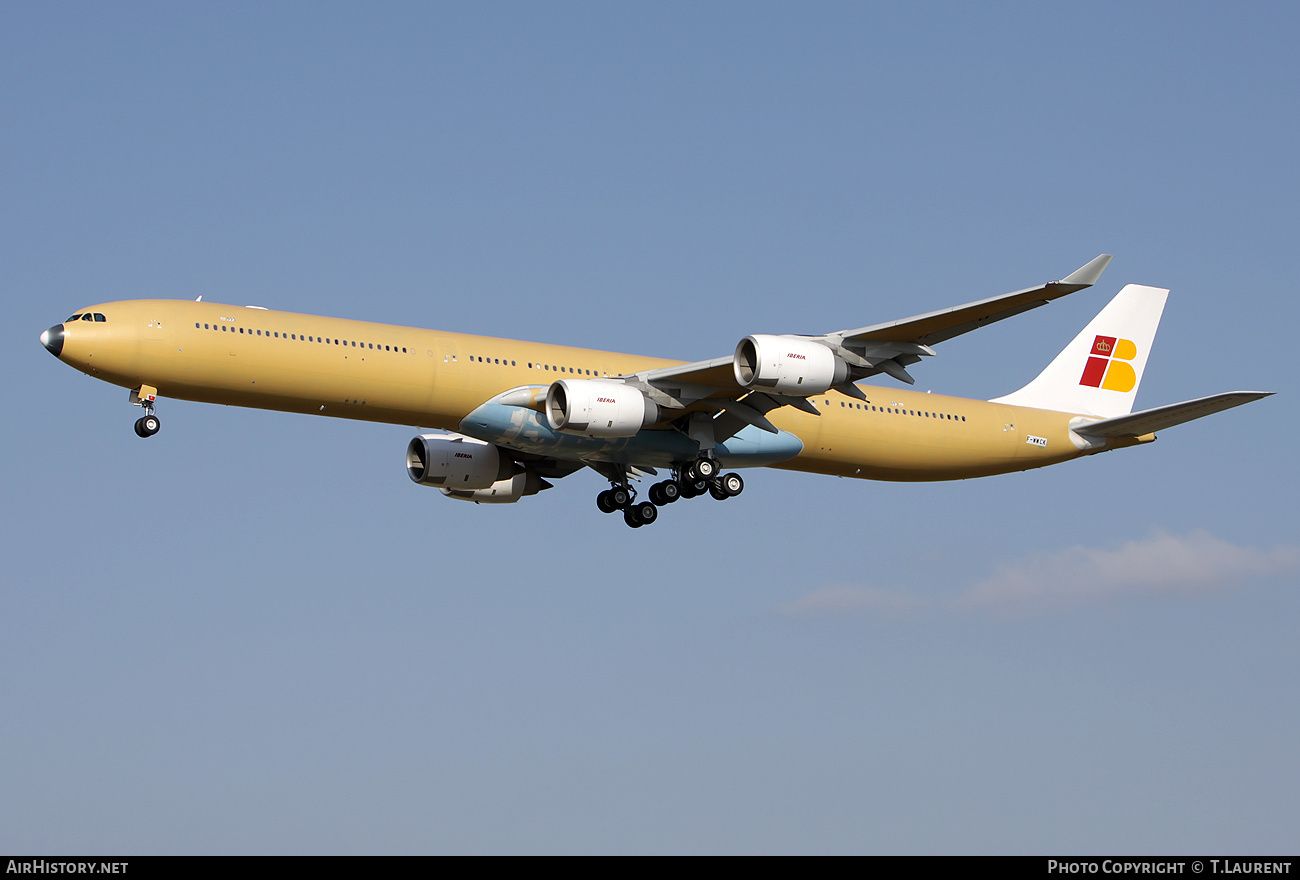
pixel 1161 564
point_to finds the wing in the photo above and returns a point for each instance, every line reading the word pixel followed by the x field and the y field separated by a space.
pixel 713 385
pixel 936 327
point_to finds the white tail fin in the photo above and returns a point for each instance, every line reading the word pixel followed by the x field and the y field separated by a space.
pixel 1099 372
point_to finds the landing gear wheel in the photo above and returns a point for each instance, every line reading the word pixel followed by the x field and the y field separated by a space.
pixel 732 484
pixel 639 515
pixel 693 488
pixel 665 493
pixel 147 426
pixel 704 469
pixel 718 493
pixel 621 496
pixel 605 502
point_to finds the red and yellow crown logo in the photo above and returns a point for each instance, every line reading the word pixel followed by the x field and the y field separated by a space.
pixel 1108 365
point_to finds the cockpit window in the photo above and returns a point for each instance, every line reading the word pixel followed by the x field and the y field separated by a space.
pixel 100 318
pixel 88 317
pixel 76 317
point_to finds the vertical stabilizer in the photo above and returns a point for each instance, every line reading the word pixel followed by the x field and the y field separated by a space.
pixel 1099 372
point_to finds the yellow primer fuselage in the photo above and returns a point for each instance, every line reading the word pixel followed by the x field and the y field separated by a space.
pixel 243 356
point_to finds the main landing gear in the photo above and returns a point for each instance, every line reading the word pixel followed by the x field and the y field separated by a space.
pixel 623 497
pixel 689 481
pixel 148 424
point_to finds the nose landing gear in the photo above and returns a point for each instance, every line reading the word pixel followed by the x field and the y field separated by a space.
pixel 148 424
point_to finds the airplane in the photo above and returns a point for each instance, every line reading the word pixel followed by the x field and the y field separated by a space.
pixel 500 419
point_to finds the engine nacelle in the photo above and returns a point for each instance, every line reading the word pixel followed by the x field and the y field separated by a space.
pixel 788 365
pixel 598 408
pixel 506 491
pixel 455 462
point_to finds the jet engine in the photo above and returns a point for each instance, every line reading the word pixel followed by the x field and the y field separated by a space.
pixel 506 491
pixel 451 461
pixel 598 408
pixel 788 365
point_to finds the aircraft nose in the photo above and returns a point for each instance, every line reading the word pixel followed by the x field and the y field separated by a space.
pixel 52 339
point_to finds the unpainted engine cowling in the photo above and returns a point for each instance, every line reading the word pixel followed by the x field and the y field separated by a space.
pixel 455 462
pixel 506 491
pixel 788 365
pixel 598 408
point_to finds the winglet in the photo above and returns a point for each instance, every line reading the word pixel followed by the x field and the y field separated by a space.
pixel 1087 274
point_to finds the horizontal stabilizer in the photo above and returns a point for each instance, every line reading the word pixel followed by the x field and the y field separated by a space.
pixel 1148 421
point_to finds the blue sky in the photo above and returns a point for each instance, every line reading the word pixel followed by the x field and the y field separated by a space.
pixel 253 634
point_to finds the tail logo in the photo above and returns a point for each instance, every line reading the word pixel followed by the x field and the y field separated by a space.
pixel 1108 365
